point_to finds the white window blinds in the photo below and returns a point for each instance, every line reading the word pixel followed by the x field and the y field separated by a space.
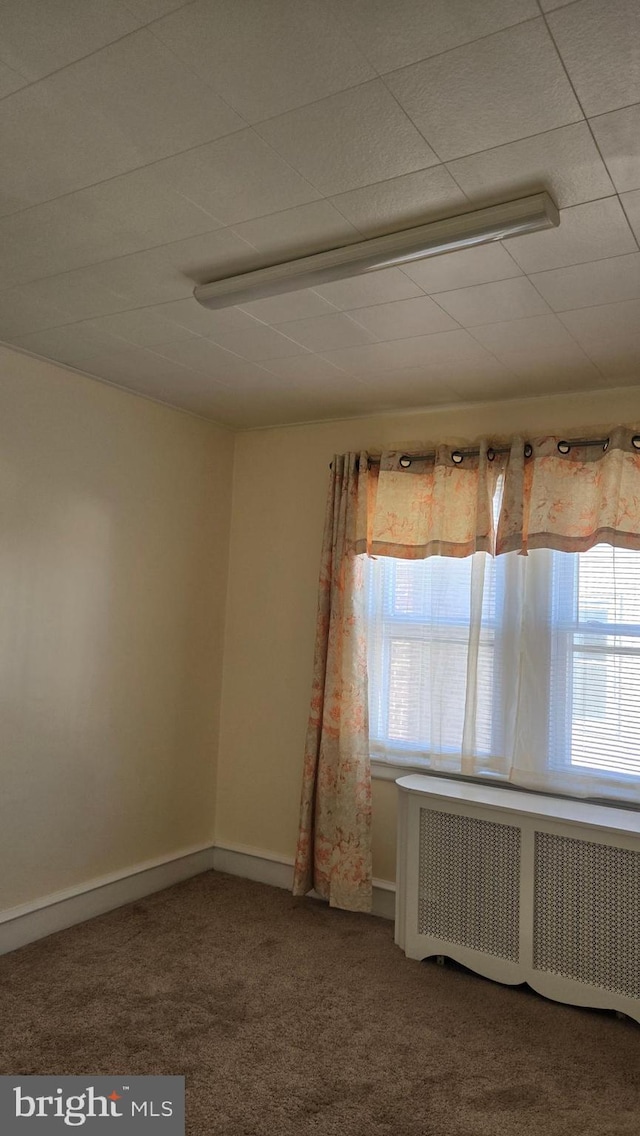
pixel 526 668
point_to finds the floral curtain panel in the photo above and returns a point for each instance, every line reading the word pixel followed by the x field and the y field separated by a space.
pixel 570 497
pixel 496 497
pixel 437 505
pixel 334 842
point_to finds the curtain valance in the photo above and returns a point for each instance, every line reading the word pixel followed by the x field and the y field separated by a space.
pixel 501 497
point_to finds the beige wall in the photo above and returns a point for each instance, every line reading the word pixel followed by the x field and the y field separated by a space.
pixel 280 482
pixel 114 517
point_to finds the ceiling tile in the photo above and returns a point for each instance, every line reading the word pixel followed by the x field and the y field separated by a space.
pixel 73 344
pixel 458 269
pixel 326 332
pixel 236 179
pixel 290 306
pixel 299 231
pixel 349 140
pixel 150 277
pixel 618 136
pixel 631 205
pixel 129 104
pixel 209 256
pixel 190 314
pixel 76 296
pixel 586 285
pixel 599 45
pixel 568 367
pixel 524 335
pixel 39 36
pixel 144 327
pixel 305 369
pixel 371 288
pixel 441 349
pixel 147 10
pixel 137 280
pixel 402 202
pixel 258 342
pixel 586 232
pixel 565 162
pixel 496 90
pixel 276 56
pixel 393 35
pixel 609 321
pixel 10 81
pixel 519 379
pixel 404 318
pixel 303 406
pixel 127 214
pixel 210 359
pixel 405 389
pixel 491 303
pixel 616 360
pixel 551 5
pixel 22 312
pixel 147 373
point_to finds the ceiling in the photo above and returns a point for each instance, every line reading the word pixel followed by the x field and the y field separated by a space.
pixel 152 144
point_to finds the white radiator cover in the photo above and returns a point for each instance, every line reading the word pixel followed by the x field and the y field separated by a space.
pixel 522 888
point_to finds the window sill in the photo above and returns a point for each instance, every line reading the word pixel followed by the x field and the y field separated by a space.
pixel 389 771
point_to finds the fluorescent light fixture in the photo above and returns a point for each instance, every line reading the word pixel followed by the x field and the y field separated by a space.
pixel 512 219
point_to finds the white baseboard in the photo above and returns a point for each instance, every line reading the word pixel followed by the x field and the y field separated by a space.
pixel 266 868
pixel 51 913
pixel 31 921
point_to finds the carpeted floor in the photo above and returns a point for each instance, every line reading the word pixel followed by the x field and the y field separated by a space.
pixel 289 1019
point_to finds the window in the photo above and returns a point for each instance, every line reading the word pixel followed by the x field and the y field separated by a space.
pixel 486 666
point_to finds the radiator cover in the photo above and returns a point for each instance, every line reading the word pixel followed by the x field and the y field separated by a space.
pixel 522 888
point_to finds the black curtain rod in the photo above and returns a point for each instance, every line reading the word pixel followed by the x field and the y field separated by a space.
pixel 458 456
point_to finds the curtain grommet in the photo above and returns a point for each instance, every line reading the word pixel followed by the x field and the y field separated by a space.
pixel 528 450
pixel 491 453
pixel 564 447
pixel 404 461
pixel 635 441
pixel 605 445
pixel 457 457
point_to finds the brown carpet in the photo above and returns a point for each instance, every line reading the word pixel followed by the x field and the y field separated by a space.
pixel 289 1019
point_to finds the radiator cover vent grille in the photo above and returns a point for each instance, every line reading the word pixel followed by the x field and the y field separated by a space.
pixel 587 912
pixel 469 881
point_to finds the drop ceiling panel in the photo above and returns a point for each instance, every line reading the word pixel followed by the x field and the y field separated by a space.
pixel 394 35
pixel 496 90
pixel 373 288
pixel 39 37
pixel 586 232
pixel 140 160
pixel 10 80
pixel 618 136
pixel 599 45
pixel 458 269
pixel 116 110
pixel 631 205
pixel 403 319
pixel 265 58
pixel 299 231
pixel 609 321
pixel 487 303
pixel 349 140
pixel 324 333
pixel 587 285
pixel 524 335
pixel 565 162
pixel 402 202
